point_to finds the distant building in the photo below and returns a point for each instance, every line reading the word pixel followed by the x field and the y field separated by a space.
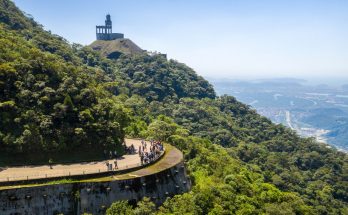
pixel 104 32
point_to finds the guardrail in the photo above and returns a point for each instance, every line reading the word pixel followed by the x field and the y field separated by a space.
pixel 80 174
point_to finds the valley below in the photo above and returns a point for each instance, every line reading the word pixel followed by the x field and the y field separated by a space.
pixel 318 111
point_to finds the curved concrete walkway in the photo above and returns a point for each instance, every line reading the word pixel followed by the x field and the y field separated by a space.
pixel 44 171
pixel 172 157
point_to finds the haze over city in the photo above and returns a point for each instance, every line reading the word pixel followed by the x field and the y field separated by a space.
pixel 232 39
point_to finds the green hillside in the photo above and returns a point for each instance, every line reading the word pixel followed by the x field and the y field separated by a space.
pixel 50 101
pixel 55 97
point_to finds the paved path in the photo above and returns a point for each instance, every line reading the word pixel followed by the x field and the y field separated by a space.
pixel 35 172
pixel 171 158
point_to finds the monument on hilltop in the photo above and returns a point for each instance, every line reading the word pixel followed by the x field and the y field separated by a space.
pixel 104 32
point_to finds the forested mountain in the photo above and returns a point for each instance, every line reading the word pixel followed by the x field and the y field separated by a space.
pixel 49 99
pixel 55 96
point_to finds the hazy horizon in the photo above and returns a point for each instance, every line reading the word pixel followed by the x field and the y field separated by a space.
pixel 245 39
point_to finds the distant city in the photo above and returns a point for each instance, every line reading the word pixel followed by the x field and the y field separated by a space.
pixel 313 110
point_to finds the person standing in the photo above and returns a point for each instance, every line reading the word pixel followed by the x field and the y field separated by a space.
pixel 107 165
pixel 115 162
pixel 142 158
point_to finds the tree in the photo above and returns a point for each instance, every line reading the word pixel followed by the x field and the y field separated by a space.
pixel 161 128
pixel 120 208
pixel 145 207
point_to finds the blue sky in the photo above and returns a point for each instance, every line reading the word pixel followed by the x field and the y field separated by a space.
pixel 218 38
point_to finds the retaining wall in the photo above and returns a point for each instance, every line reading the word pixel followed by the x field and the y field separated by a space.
pixel 93 197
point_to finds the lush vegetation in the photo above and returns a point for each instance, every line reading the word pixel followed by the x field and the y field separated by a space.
pixel 56 97
pixel 50 101
pixel 270 177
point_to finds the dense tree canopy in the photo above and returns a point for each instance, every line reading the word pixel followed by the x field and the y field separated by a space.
pixel 47 102
pixel 56 96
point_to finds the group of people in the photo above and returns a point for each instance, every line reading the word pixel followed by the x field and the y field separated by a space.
pixel 109 166
pixel 148 153
pixel 129 149
pixel 112 155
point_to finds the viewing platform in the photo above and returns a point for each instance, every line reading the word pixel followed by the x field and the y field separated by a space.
pixel 94 192
pixel 84 170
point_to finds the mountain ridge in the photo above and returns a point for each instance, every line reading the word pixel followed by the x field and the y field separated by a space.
pixel 114 48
